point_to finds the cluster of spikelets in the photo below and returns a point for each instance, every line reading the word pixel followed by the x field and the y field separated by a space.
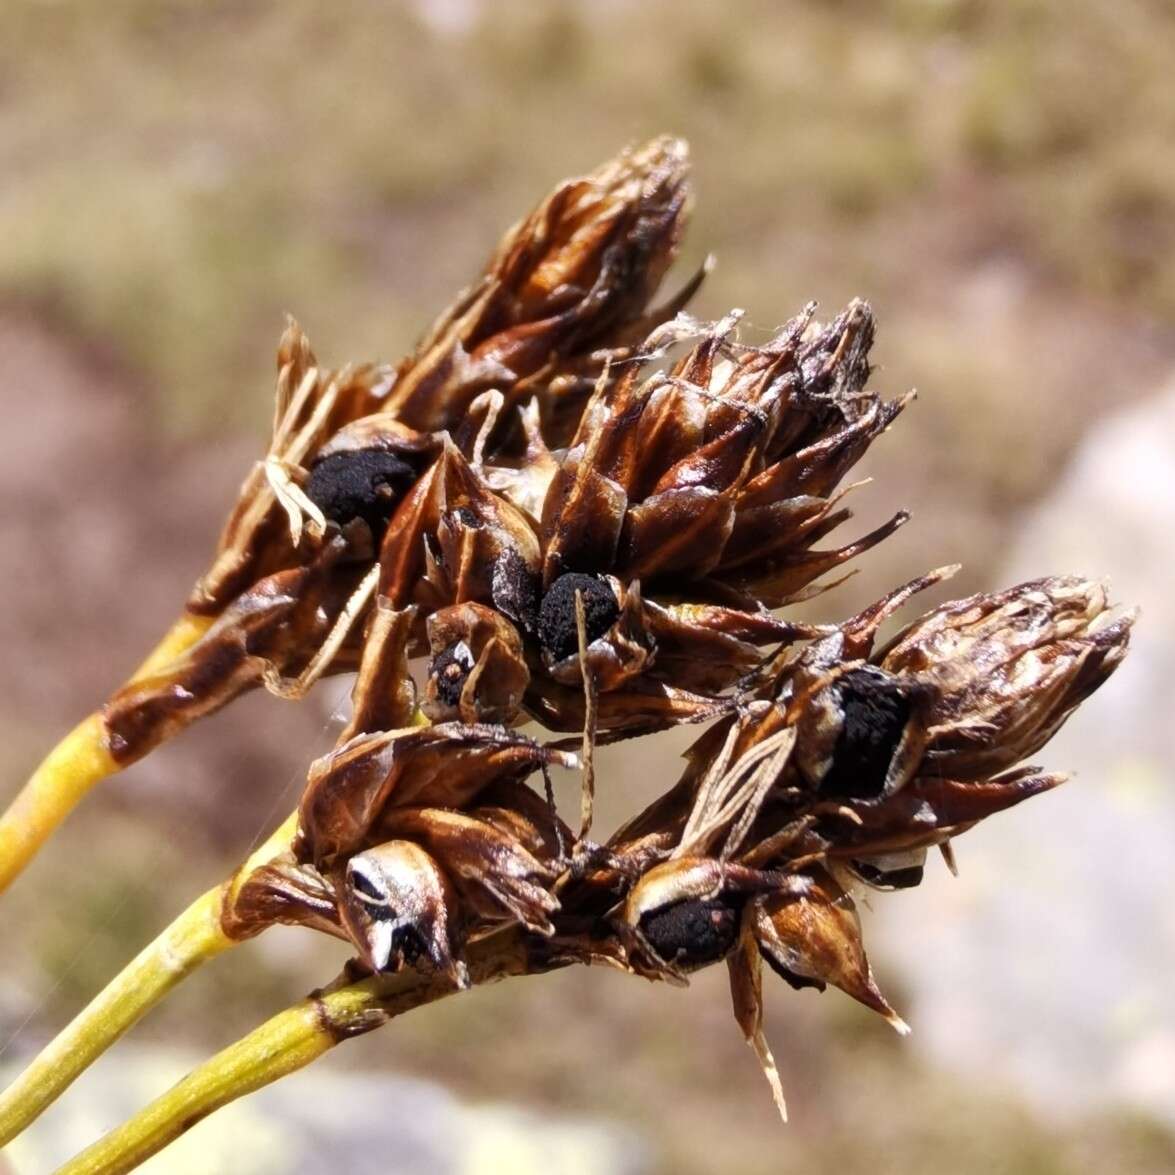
pixel 574 508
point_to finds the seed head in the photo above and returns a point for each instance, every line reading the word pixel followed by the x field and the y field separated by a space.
pixel 567 287
pixel 1006 669
pixel 349 791
pixel 611 566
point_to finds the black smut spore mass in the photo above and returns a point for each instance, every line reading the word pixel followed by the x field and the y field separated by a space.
pixel 409 942
pixel 450 668
pixel 876 711
pixel 692 933
pixel 906 878
pixel 467 518
pixel 558 633
pixel 361 483
pixel 515 590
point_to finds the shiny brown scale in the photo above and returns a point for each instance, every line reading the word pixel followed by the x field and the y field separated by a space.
pixel 642 516
pixel 437 766
pixel 454 541
pixel 664 474
pixel 568 287
pixel 396 851
pixel 667 476
pixel 278 623
pixel 567 290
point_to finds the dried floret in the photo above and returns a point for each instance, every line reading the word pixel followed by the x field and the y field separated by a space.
pixel 567 289
pixel 477 670
pixel 851 763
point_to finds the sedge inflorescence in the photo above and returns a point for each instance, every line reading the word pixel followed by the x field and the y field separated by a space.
pixel 574 515
pixel 611 547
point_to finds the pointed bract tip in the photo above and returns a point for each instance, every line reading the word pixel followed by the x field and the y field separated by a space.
pixel 568 759
pixel 758 1042
pixel 898 1024
pixel 948 856
pixel 671 145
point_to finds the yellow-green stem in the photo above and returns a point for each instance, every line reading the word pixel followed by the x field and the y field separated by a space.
pixel 194 938
pixel 81 760
pixel 182 635
pixel 284 1044
pixel 57 786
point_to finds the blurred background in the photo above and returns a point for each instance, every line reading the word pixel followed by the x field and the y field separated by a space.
pixel 997 178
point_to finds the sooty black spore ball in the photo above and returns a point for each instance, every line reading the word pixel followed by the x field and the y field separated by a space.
pixel 407 940
pixel 692 933
pixel 558 633
pixel 515 590
pixel 467 517
pixel 875 711
pixel 360 483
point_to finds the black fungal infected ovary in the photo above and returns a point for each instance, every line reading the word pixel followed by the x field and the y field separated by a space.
pixel 558 632
pixel 692 933
pixel 360 483
pixel 515 590
pixel 875 711
pixel 408 944
pixel 467 517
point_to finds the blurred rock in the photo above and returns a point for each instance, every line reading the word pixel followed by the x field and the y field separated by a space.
pixel 1048 963
pixel 327 1120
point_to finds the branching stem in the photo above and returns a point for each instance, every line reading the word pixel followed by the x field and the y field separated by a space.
pixel 290 1041
pixel 194 938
